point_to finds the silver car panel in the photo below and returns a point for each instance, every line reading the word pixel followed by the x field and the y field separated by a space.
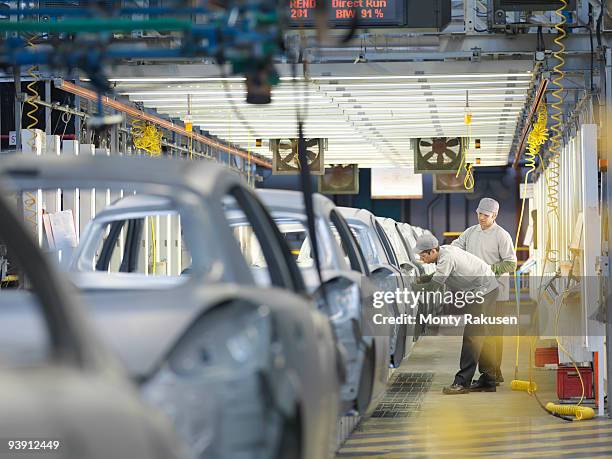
pixel 340 279
pixel 385 270
pixel 288 391
pixel 69 389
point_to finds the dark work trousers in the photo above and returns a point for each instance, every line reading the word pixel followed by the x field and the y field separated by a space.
pixel 473 339
pixel 494 345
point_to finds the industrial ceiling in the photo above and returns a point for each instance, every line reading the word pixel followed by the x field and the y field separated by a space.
pixel 368 112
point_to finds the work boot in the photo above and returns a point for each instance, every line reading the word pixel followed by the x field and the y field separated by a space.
pixel 482 386
pixel 455 389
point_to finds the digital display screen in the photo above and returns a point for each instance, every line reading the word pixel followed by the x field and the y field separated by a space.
pixel 341 13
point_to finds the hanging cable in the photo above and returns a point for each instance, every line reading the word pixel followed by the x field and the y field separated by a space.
pixel 30 201
pixel 468 180
pixel 537 137
pixel 153 244
pixel 147 137
pixel 555 147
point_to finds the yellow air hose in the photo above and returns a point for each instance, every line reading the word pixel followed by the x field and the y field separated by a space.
pixel 154 245
pixel 555 147
pixel 468 181
pixel 30 200
pixel 536 139
pixel 581 413
pixel 146 137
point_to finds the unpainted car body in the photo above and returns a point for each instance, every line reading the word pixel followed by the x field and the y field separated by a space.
pixel 243 371
pixel 408 268
pixel 58 382
pixel 384 269
pixel 347 293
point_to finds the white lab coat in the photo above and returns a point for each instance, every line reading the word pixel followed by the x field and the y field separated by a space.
pixel 461 271
pixel 492 245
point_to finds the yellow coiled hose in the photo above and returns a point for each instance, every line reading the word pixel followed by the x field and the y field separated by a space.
pixel 579 412
pixel 468 181
pixel 524 386
pixel 146 137
pixel 30 201
pixel 555 147
pixel 537 137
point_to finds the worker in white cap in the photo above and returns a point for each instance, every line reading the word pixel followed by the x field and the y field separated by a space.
pixel 492 244
pixel 459 270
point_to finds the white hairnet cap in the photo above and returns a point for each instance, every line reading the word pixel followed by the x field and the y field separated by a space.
pixel 426 242
pixel 488 206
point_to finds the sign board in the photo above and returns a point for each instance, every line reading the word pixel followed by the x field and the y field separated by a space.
pixel 342 13
pixel 12 138
pixel 396 183
pixel 60 230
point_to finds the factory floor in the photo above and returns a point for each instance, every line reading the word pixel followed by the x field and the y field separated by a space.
pixel 428 424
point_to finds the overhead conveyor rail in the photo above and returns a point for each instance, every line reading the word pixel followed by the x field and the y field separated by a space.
pixel 139 114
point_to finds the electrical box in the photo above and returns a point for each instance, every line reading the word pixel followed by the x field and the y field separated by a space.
pixel 498 10
pixel 433 14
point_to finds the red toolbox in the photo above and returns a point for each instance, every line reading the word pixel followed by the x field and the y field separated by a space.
pixel 545 356
pixel 568 382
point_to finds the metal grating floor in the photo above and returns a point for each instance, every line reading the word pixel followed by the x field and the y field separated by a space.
pixel 404 395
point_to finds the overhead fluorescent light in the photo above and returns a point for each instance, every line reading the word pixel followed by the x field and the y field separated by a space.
pixel 201 99
pixel 499 83
pixel 169 79
pixel 420 77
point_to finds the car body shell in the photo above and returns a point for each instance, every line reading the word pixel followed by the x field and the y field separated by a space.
pixel 65 385
pixel 269 373
pixel 342 280
pixel 385 271
pixel 409 270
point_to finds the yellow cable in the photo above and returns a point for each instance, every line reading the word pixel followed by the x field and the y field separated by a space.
pixel 154 244
pixel 555 147
pixel 147 137
pixel 30 200
pixel 537 137
pixel 581 413
pixel 468 180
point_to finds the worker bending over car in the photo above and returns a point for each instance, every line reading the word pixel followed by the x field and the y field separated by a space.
pixel 460 271
pixel 493 245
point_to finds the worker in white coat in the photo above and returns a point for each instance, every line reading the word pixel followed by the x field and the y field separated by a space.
pixel 492 244
pixel 460 271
